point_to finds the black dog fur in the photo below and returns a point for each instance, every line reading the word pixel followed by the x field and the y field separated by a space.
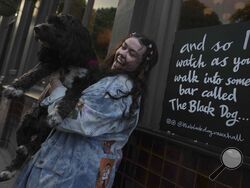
pixel 65 43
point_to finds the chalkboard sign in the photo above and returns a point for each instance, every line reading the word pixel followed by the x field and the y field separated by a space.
pixel 207 97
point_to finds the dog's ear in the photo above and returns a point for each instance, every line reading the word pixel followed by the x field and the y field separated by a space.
pixel 57 21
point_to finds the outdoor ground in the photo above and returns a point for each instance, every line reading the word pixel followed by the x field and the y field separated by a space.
pixel 5 159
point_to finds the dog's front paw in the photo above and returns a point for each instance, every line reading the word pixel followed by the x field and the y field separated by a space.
pixel 22 150
pixel 54 118
pixel 7 175
pixel 11 92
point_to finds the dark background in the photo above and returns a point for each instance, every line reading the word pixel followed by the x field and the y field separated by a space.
pixel 225 33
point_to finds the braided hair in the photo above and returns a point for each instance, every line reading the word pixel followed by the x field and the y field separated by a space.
pixel 139 76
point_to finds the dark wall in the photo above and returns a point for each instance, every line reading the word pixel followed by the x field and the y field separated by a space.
pixel 153 162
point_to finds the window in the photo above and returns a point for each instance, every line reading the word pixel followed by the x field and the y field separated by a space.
pixel 101 24
pixel 201 13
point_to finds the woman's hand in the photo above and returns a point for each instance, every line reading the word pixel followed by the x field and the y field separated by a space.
pixel 54 81
pixel 54 118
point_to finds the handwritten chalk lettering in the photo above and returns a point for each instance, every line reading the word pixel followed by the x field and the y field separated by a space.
pixel 217 62
pixel 176 105
pixel 232 117
pixel 187 91
pixel 236 137
pixel 188 47
pixel 217 93
pixel 246 40
pixel 191 62
pixel 240 62
pixel 190 78
pixel 238 81
pixel 242 118
pixel 218 46
pixel 196 106
pixel 205 130
pixel 171 121
pixel 215 79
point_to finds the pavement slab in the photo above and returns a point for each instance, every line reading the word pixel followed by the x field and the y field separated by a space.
pixel 5 159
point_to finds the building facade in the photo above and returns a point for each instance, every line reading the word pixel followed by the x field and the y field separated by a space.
pixel 154 157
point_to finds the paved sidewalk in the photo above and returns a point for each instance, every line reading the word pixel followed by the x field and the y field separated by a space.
pixel 5 159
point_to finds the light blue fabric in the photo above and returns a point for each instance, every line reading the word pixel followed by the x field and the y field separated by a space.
pixel 55 95
pixel 70 157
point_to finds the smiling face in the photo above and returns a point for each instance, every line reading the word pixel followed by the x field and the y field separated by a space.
pixel 129 55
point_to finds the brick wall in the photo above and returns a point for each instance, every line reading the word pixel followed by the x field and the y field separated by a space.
pixel 153 162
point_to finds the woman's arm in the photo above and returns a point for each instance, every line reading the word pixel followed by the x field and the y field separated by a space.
pixel 99 113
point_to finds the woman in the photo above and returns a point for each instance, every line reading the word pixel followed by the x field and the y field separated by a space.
pixel 79 150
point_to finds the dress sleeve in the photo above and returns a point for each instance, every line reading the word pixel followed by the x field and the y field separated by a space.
pixel 99 113
pixel 55 95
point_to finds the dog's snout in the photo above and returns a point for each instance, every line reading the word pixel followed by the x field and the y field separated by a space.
pixel 36 29
pixel 41 27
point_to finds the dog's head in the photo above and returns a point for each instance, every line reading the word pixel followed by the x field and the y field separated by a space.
pixel 66 35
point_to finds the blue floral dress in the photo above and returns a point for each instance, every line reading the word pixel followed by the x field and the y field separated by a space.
pixel 85 149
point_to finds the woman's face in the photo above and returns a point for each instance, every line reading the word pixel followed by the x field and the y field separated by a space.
pixel 129 56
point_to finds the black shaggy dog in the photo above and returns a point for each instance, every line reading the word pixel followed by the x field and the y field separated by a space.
pixel 66 48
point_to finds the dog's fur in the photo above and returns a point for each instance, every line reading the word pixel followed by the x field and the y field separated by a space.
pixel 65 48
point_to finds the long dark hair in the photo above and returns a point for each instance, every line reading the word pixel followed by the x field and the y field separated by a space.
pixel 139 76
